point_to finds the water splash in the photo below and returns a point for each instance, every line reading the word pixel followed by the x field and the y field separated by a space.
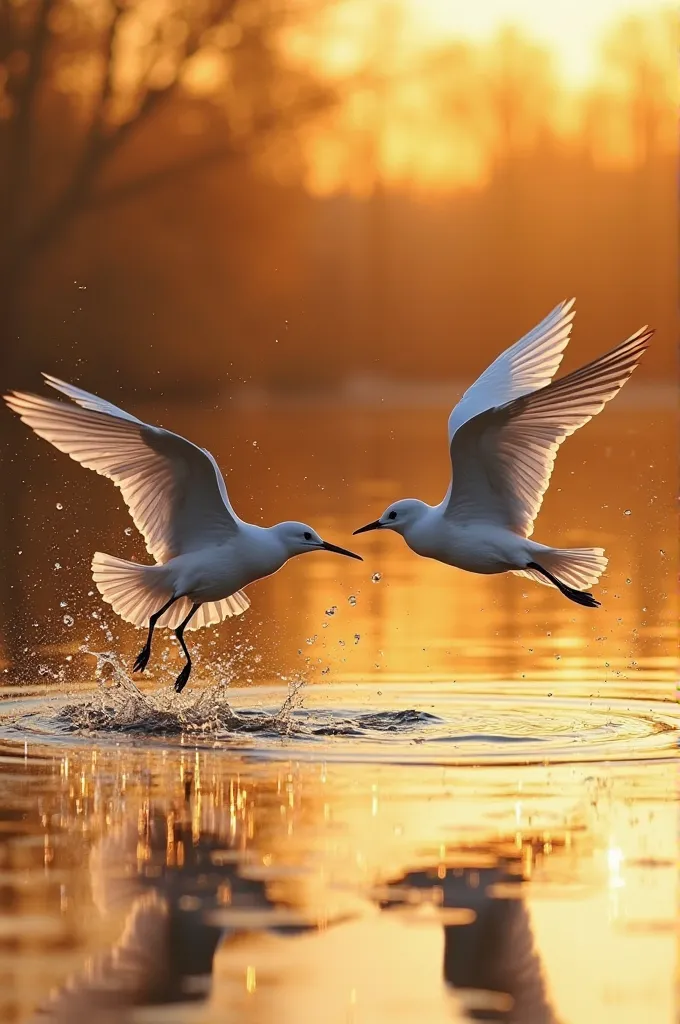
pixel 119 705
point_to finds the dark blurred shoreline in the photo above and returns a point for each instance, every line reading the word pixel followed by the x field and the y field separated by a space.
pixel 389 393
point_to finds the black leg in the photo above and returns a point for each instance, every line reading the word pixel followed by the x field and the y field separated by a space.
pixel 182 678
pixel 578 596
pixel 145 653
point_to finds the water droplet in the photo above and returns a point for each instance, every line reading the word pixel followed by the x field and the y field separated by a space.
pixel 95 615
pixel 558 657
pixel 550 694
pixel 254 444
pixel 68 620
pixel 325 671
pixel 57 565
pixel 90 593
pixel 662 552
pixel 357 638
pixel 59 506
pixel 128 531
pixel 341 643
pixel 63 604
pixel 332 610
pixel 376 577
pixel 627 512
pixel 629 581
pixel 310 640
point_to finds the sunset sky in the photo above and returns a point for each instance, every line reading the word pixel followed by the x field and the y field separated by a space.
pixel 574 32
pixel 431 116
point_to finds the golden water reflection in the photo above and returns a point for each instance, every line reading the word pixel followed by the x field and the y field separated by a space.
pixel 222 889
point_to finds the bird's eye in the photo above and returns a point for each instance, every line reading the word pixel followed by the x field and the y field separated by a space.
pixel 392 515
pixel 307 535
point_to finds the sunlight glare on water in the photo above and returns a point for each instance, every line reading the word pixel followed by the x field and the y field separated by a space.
pixel 285 891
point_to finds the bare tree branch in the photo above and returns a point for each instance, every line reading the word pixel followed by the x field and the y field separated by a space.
pixel 229 150
pixel 95 141
pixel 7 40
pixel 100 145
pixel 154 98
pixel 106 90
pixel 164 175
pixel 24 99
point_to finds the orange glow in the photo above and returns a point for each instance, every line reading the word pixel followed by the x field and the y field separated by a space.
pixel 453 88
pixel 594 924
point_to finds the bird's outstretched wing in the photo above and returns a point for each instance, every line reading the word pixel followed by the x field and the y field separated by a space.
pixel 530 363
pixel 503 457
pixel 174 490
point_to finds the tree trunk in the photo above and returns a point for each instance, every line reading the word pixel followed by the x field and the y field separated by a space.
pixel 16 370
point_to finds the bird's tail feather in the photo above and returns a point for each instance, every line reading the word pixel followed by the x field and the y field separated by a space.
pixel 136 591
pixel 579 568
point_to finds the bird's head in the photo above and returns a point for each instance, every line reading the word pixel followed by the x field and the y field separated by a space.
pixel 297 538
pixel 398 517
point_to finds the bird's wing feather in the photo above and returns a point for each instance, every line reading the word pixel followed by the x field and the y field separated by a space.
pixel 88 400
pixel 530 363
pixel 174 490
pixel 504 456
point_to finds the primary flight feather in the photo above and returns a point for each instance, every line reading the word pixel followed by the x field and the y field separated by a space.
pixel 504 435
pixel 178 500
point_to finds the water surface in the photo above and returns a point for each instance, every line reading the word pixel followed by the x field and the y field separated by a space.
pixel 431 797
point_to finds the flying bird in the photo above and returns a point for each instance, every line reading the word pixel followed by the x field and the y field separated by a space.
pixel 504 435
pixel 205 555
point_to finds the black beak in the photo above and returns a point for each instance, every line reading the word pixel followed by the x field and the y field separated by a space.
pixel 369 526
pixel 340 551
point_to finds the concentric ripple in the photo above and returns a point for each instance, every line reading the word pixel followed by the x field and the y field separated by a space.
pixel 401 724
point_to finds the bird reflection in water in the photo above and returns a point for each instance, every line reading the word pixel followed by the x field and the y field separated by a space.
pixel 491 960
pixel 194 915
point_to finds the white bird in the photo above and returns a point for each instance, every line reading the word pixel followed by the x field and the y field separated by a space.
pixel 503 438
pixel 178 500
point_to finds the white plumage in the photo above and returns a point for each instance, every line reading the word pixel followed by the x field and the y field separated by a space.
pixel 178 500
pixel 504 435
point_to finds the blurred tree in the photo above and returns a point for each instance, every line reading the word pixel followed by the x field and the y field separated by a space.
pixel 640 64
pixel 106 100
